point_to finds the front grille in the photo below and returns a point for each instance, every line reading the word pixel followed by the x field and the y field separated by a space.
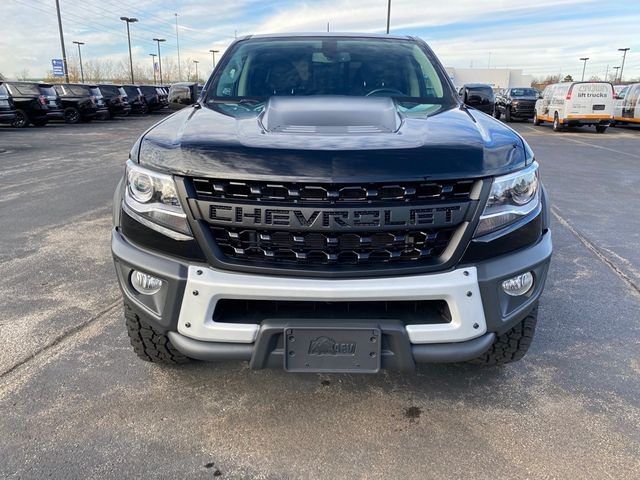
pixel 312 248
pixel 298 193
pixel 401 224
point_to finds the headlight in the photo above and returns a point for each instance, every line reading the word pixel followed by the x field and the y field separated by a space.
pixel 151 199
pixel 512 197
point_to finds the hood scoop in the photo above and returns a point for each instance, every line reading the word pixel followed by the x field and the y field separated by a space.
pixel 331 115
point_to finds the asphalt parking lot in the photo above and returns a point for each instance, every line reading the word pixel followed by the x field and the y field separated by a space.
pixel 75 402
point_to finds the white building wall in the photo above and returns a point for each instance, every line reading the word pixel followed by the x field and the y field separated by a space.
pixel 496 77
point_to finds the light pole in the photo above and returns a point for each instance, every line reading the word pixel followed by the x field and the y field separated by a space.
pixel 388 15
pixel 129 20
pixel 158 40
pixel 584 65
pixel 624 55
pixel 178 45
pixel 153 59
pixel 615 75
pixel 213 57
pixel 64 53
pixel 196 62
pixel 80 56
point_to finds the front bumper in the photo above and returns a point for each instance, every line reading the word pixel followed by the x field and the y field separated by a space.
pixel 478 307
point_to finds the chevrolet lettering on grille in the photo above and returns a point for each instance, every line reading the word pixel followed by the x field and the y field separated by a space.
pixel 338 219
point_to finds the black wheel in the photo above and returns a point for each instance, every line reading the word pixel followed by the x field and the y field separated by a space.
pixel 125 113
pixel 148 343
pixel 21 121
pixel 507 115
pixel 536 120
pixel 144 109
pixel 511 346
pixel 41 122
pixel 557 126
pixel 72 115
pixel 496 113
pixel 107 115
pixel 601 128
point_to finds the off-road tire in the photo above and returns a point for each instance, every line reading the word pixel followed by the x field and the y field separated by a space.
pixel 148 343
pixel 512 345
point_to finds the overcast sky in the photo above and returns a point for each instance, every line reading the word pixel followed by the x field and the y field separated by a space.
pixel 542 37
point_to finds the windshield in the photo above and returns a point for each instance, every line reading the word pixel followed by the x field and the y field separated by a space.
pixel 523 92
pixel 260 68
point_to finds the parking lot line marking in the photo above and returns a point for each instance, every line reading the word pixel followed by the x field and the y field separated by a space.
pixel 602 147
pixel 596 251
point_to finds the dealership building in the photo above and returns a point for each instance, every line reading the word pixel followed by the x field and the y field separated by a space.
pixel 496 77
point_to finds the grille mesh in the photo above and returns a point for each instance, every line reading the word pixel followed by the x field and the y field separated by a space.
pixel 279 247
pixel 298 193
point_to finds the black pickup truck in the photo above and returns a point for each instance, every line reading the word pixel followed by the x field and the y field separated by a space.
pixel 329 204
pixel 516 103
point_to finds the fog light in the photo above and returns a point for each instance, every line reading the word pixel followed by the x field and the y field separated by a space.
pixel 518 285
pixel 144 283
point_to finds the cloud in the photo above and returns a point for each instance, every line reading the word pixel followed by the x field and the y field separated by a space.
pixel 541 37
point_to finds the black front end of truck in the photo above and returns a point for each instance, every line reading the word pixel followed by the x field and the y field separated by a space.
pixel 295 221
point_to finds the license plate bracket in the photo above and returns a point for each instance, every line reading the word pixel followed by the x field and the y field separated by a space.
pixel 336 349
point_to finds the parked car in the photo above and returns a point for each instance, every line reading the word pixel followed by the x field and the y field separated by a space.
pixel 81 102
pixel 576 104
pixel 627 105
pixel 7 108
pixel 32 106
pixel 331 223
pixel 516 103
pixel 479 96
pixel 155 101
pixel 136 99
pixel 115 97
pixel 183 94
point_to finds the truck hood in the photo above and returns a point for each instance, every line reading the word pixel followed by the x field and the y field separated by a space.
pixel 322 139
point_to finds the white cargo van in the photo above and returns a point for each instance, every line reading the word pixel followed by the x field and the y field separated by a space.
pixel 627 105
pixel 576 104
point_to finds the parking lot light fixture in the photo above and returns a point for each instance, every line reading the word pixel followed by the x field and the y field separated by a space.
pixel 129 20
pixel 213 57
pixel 584 65
pixel 153 58
pixel 196 62
pixel 615 75
pixel 80 57
pixel 624 55
pixel 158 41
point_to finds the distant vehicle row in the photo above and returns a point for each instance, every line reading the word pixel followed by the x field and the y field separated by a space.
pixel 28 103
pixel 567 104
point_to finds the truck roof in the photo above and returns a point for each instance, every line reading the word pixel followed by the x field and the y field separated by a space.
pixel 331 35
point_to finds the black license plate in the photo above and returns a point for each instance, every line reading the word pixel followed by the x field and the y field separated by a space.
pixel 598 107
pixel 339 349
